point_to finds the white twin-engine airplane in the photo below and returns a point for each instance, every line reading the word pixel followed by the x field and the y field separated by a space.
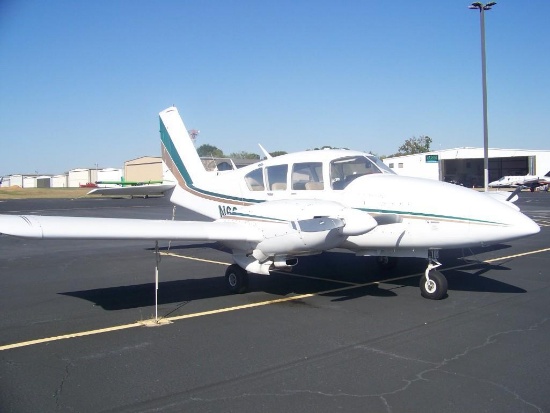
pixel 529 181
pixel 278 209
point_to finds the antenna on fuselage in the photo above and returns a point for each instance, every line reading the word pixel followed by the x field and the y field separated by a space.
pixel 266 153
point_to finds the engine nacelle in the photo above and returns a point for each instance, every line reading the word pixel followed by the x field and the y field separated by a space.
pixel 290 228
pixel 318 234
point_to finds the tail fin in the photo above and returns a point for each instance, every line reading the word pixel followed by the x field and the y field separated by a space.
pixel 178 152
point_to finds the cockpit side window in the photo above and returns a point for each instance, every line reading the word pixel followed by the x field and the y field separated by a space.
pixel 276 177
pixel 308 176
pixel 345 170
pixel 255 180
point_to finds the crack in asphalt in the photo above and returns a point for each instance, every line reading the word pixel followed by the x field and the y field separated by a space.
pixel 420 376
pixel 493 338
pixel 59 390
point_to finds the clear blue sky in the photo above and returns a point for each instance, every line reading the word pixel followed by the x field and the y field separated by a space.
pixel 82 82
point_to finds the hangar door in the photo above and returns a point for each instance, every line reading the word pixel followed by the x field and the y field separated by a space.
pixel 514 166
pixel 469 172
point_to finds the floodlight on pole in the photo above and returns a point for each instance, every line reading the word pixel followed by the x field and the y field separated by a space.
pixel 482 8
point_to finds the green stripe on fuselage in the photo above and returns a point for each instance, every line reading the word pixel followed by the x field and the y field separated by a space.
pixel 425 215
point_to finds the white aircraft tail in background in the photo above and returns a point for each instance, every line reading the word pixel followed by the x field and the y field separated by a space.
pixel 270 213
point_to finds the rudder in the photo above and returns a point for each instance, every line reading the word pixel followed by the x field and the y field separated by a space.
pixel 178 152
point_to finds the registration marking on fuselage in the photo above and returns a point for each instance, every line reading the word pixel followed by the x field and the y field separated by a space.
pixel 251 305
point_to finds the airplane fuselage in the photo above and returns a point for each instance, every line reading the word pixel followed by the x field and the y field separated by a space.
pixel 417 214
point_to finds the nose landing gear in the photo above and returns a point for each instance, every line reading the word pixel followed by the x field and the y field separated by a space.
pixel 433 284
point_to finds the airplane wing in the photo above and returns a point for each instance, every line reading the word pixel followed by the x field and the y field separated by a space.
pixel 136 190
pixel 52 227
pixel 260 235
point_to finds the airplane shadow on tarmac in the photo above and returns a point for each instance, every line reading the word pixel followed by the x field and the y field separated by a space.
pixel 331 271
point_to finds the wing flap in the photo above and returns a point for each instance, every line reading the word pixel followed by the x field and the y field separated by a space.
pixel 51 227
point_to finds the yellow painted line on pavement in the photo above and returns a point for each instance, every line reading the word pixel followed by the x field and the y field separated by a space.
pixel 241 307
pixel 278 272
pixel 171 254
pixel 66 336
pixel 309 277
pixel 517 255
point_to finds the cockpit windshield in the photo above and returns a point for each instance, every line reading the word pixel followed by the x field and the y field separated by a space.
pixel 385 169
pixel 345 170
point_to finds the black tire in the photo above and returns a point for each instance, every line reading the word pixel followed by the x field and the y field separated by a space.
pixel 387 263
pixel 436 288
pixel 237 279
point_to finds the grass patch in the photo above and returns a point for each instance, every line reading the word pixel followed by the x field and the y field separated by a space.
pixel 42 193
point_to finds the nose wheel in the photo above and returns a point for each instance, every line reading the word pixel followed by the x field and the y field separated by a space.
pixel 433 284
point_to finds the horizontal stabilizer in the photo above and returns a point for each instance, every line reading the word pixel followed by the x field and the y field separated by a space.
pixel 48 227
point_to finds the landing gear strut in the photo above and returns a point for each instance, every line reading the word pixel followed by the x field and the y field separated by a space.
pixel 237 279
pixel 433 284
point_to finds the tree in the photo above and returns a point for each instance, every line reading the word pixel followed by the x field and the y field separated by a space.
pixel 277 153
pixel 209 151
pixel 415 145
pixel 244 155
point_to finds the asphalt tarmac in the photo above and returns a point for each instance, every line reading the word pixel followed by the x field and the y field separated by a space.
pixel 337 334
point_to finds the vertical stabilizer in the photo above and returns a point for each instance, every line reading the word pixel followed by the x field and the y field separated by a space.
pixel 178 151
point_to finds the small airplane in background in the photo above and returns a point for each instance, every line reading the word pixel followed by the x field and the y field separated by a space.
pixel 270 213
pixel 526 181
pixel 130 188
pixel 128 183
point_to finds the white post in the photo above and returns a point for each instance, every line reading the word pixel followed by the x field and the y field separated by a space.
pixel 157 257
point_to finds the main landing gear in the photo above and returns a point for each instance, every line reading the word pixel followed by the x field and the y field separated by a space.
pixel 237 279
pixel 433 284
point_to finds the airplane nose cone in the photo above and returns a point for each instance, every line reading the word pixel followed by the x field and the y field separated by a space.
pixel 519 224
pixel 530 227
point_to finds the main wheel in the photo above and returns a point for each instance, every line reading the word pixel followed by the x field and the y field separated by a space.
pixel 435 288
pixel 237 279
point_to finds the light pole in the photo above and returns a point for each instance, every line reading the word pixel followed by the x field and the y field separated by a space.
pixel 482 7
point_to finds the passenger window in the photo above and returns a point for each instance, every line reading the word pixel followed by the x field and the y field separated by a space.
pixel 307 176
pixel 254 180
pixel 276 177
